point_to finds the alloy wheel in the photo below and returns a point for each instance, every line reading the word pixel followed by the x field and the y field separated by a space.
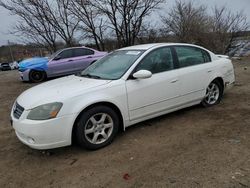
pixel 99 128
pixel 212 94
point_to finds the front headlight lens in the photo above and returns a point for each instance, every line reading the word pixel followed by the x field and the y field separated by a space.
pixel 44 112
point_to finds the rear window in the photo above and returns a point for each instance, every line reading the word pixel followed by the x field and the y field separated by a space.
pixel 82 52
pixel 189 56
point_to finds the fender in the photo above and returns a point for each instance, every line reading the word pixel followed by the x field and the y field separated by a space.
pixel 81 102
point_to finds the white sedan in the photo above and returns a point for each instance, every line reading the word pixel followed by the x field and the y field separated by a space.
pixel 128 86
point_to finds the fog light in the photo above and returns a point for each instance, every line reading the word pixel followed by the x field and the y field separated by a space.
pixel 31 140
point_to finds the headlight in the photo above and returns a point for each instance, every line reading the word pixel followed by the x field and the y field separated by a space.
pixel 44 112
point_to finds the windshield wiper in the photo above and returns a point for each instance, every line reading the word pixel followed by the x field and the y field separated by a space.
pixel 91 76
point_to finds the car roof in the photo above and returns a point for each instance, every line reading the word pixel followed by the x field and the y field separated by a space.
pixel 77 47
pixel 152 45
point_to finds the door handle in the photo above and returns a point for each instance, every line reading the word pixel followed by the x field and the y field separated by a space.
pixel 89 57
pixel 70 60
pixel 174 81
pixel 209 71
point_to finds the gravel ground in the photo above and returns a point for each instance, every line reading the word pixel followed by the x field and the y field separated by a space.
pixel 194 147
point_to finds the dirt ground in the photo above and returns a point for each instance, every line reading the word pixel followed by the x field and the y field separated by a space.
pixel 194 147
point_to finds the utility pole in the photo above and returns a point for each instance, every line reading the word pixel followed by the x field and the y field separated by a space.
pixel 11 54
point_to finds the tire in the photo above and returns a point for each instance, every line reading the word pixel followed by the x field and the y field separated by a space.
pixel 37 76
pixel 214 94
pixel 96 127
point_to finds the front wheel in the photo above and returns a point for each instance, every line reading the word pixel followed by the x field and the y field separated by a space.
pixel 37 76
pixel 97 127
pixel 214 94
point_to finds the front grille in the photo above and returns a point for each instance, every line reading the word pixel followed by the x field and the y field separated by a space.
pixel 18 110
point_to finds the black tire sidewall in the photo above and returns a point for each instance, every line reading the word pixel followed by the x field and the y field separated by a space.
pixel 80 127
pixel 32 79
pixel 205 104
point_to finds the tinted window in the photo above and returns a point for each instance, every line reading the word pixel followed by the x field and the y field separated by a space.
pixel 82 52
pixel 66 54
pixel 89 52
pixel 206 56
pixel 159 60
pixel 189 56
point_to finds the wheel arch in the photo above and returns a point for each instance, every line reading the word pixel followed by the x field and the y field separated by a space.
pixel 220 80
pixel 104 103
pixel 41 70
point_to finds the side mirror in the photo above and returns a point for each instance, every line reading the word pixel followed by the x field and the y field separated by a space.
pixel 58 57
pixel 142 74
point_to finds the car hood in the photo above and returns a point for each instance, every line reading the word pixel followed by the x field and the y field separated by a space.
pixel 36 63
pixel 57 90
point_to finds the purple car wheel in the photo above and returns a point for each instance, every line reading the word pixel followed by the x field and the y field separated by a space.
pixel 37 76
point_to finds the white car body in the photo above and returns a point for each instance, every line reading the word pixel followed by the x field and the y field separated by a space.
pixel 137 100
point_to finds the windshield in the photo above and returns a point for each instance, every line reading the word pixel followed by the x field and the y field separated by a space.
pixel 112 66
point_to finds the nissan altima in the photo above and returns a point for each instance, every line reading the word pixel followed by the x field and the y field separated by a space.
pixel 127 86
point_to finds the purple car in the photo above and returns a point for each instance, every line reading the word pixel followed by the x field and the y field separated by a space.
pixel 64 62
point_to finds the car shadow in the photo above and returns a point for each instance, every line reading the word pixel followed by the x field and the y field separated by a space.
pixel 171 115
pixel 74 149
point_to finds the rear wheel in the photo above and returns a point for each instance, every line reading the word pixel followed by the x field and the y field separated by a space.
pixel 97 127
pixel 37 76
pixel 214 94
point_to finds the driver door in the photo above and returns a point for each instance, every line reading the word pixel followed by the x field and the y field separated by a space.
pixel 62 66
pixel 153 95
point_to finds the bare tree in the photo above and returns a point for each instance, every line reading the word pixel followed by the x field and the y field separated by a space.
pixel 225 28
pixel 44 21
pixel 192 23
pixel 93 23
pixel 31 25
pixel 58 15
pixel 126 17
pixel 187 22
pixel 149 34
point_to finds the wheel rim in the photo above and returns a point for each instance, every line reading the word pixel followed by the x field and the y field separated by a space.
pixel 37 76
pixel 212 94
pixel 98 128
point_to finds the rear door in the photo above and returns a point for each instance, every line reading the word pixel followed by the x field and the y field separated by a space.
pixel 195 69
pixel 83 57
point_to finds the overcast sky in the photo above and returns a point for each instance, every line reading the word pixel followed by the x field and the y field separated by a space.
pixel 7 21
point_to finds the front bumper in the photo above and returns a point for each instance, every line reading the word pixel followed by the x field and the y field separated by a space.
pixel 46 134
pixel 24 76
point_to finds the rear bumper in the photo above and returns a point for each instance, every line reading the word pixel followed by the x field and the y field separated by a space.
pixel 229 85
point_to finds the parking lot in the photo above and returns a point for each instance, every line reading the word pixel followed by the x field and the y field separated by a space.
pixel 194 147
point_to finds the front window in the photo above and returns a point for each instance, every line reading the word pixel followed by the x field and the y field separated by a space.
pixel 52 56
pixel 112 66
pixel 157 61
pixel 66 54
